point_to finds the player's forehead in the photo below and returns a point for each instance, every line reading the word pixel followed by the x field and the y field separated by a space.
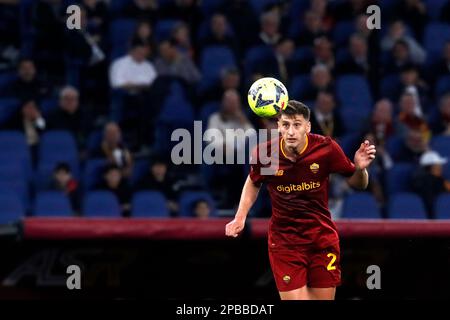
pixel 292 118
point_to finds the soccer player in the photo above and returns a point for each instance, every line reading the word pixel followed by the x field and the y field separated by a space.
pixel 303 240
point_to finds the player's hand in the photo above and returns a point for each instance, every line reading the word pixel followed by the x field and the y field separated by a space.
pixel 365 155
pixel 233 228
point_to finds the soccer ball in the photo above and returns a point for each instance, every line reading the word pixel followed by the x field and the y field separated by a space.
pixel 267 97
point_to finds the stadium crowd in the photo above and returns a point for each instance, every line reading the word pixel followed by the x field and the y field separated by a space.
pixel 86 115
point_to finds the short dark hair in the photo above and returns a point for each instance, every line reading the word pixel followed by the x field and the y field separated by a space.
pixel 110 167
pixel 62 166
pixel 295 107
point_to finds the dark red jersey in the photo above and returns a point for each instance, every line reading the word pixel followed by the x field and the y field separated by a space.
pixel 299 191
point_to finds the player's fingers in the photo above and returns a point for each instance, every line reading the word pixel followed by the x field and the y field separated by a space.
pixel 372 156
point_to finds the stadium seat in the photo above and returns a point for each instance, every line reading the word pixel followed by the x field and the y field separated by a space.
pixel 353 92
pixel 442 206
pixel 101 204
pixel 52 204
pixel 14 149
pixel 361 205
pixel 349 144
pixel 406 205
pixel 255 56
pixel 188 198
pixel 353 118
pixel 299 85
pixel 11 208
pixel 342 32
pixel 58 146
pixel 163 28
pixel 6 80
pixel 212 61
pixel 13 178
pixel 435 36
pixel 92 173
pixel 8 107
pixel 442 86
pixel 434 8
pixel 441 144
pixel 389 86
pixel 149 204
pixel 141 168
pixel 398 178
pixel 120 33
pixel 260 5
pixel 210 6
pixel 48 105
pixel 207 110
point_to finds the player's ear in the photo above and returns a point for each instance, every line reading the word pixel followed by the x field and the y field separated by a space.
pixel 308 127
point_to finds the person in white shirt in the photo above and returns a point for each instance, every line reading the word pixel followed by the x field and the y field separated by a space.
pixel 132 78
pixel 133 71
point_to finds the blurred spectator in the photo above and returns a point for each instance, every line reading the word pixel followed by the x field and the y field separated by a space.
pixel 322 54
pixel 414 144
pixel 187 11
pixel 228 145
pixel 230 78
pixel 201 209
pixel 269 32
pixel 441 124
pixel 64 181
pixel 181 36
pixel 172 62
pixel 82 46
pixel 411 117
pixel 48 19
pixel 397 31
pixel 230 116
pixel 97 16
pixel 312 29
pixel 321 80
pixel 144 34
pixel 132 106
pixel 346 10
pixel 428 180
pixel 357 62
pixel 218 34
pixel 133 72
pixel 114 181
pixel 281 64
pixel 141 10
pixel 398 58
pixel 30 121
pixel 240 15
pixel 414 13
pixel 445 13
pixel 69 116
pixel 411 82
pixel 28 85
pixel 157 178
pixel 324 118
pixel 114 150
pixel 382 125
pixel 378 169
pixel 320 8
pixel 442 66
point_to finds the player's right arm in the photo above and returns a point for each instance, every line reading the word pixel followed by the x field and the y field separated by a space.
pixel 248 197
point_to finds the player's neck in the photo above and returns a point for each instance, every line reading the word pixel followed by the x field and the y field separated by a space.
pixel 292 152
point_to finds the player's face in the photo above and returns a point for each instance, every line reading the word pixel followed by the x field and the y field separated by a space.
pixel 293 130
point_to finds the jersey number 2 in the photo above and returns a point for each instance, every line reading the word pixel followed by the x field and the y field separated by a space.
pixel 333 259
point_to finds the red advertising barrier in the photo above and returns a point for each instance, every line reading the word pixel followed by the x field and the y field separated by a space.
pixel 191 228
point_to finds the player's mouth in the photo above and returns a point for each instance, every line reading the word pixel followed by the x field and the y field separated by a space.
pixel 291 140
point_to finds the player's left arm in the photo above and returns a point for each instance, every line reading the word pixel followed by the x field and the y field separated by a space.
pixel 363 158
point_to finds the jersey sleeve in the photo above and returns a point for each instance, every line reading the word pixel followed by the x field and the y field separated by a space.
pixel 339 162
